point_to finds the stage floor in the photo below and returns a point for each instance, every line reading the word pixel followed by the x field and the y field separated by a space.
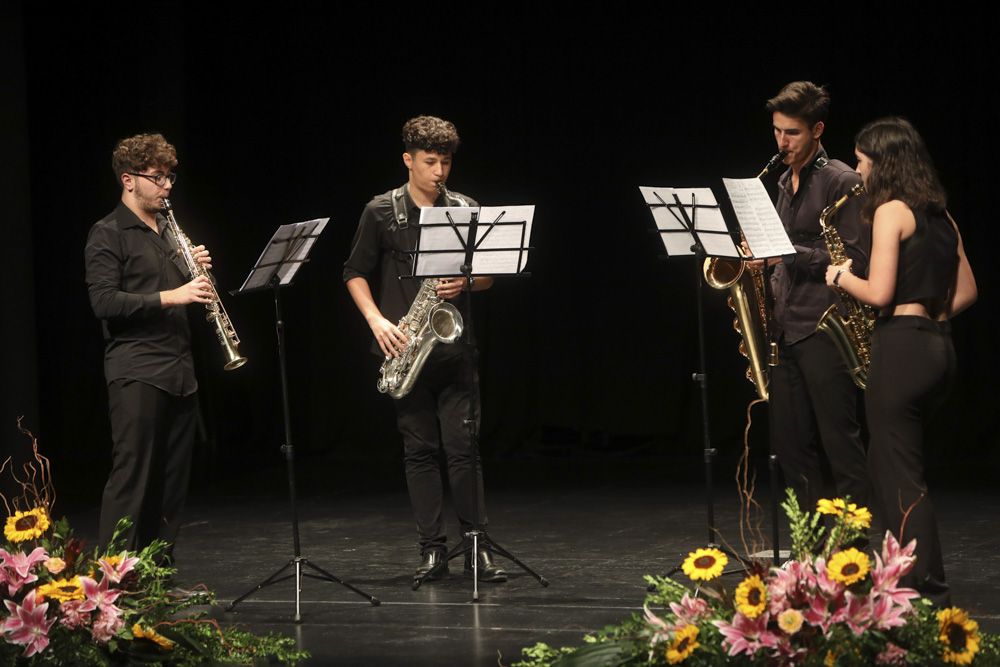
pixel 593 544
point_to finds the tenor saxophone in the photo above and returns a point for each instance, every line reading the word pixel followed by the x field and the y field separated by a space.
pixel 748 300
pixel 216 314
pixel 429 321
pixel 851 331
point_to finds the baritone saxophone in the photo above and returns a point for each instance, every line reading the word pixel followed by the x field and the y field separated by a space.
pixel 850 329
pixel 216 315
pixel 748 300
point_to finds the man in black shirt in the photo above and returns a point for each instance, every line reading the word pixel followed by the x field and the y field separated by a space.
pixel 432 416
pixel 139 289
pixel 812 396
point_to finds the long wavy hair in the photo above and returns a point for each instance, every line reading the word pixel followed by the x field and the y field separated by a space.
pixel 901 167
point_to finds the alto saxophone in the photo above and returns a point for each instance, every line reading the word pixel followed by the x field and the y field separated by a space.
pixel 429 321
pixel 748 300
pixel 216 311
pixel 852 331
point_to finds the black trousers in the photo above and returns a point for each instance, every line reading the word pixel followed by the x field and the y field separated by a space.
pixel 912 371
pixel 431 419
pixel 153 434
pixel 813 404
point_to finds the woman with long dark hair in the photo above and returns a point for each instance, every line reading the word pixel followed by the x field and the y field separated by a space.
pixel 918 277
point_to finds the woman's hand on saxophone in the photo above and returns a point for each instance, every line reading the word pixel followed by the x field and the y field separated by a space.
pixel 198 290
pixel 835 272
pixel 390 338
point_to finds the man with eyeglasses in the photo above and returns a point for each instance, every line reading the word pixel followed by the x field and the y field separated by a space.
pixel 139 289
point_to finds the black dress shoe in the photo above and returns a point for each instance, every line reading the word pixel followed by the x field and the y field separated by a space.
pixel 427 563
pixel 488 570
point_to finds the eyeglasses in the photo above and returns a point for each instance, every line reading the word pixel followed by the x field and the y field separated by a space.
pixel 157 178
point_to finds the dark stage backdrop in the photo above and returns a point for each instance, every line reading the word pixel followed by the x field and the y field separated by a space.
pixel 294 113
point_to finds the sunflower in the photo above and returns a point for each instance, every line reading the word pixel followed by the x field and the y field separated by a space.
pixel 858 517
pixel 683 645
pixel 837 506
pixel 848 566
pixel 751 597
pixel 959 634
pixel 26 525
pixel 153 636
pixel 704 564
pixel 62 590
pixel 790 621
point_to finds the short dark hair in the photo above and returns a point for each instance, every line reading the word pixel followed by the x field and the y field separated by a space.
pixel 802 99
pixel 431 134
pixel 141 152
pixel 901 167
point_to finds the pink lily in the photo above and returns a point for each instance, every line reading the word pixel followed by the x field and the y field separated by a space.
pixel 690 610
pixel 71 616
pixel 115 572
pixel 98 595
pixel 27 625
pixel 745 635
pixel 18 567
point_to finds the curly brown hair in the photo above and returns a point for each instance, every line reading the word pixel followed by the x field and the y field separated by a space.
pixel 141 152
pixel 431 134
pixel 901 167
pixel 802 99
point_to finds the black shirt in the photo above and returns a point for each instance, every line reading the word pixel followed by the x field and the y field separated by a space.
pixel 799 283
pixel 382 253
pixel 928 263
pixel 127 266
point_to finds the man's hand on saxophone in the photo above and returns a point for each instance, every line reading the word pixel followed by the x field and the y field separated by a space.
pixel 202 257
pixel 198 290
pixel 390 338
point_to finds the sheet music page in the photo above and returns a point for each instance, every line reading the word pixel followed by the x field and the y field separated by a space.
pixel 441 250
pixel 289 242
pixel 504 241
pixel 708 222
pixel 438 235
pixel 757 218
pixel 705 219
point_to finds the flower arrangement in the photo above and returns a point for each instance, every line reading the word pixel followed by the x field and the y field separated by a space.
pixel 66 605
pixel 831 604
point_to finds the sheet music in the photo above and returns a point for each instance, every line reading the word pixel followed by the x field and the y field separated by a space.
pixel 706 216
pixel 500 248
pixel 758 218
pixel 289 243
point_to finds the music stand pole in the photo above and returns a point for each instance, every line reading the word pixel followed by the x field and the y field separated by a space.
pixel 299 565
pixel 473 539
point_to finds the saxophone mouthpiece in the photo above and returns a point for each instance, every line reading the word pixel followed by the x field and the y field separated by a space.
pixel 775 160
pixel 166 204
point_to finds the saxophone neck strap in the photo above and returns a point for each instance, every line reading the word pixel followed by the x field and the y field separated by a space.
pixel 399 207
pixel 399 198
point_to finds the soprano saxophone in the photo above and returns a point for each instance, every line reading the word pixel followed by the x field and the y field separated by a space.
pixel 748 300
pixel 852 331
pixel 429 321
pixel 216 314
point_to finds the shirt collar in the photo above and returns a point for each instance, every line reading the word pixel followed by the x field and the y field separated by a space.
pixel 127 218
pixel 819 161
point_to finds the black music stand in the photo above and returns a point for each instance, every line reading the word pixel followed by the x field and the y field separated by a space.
pixel 683 234
pixel 766 237
pixel 443 251
pixel 287 250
